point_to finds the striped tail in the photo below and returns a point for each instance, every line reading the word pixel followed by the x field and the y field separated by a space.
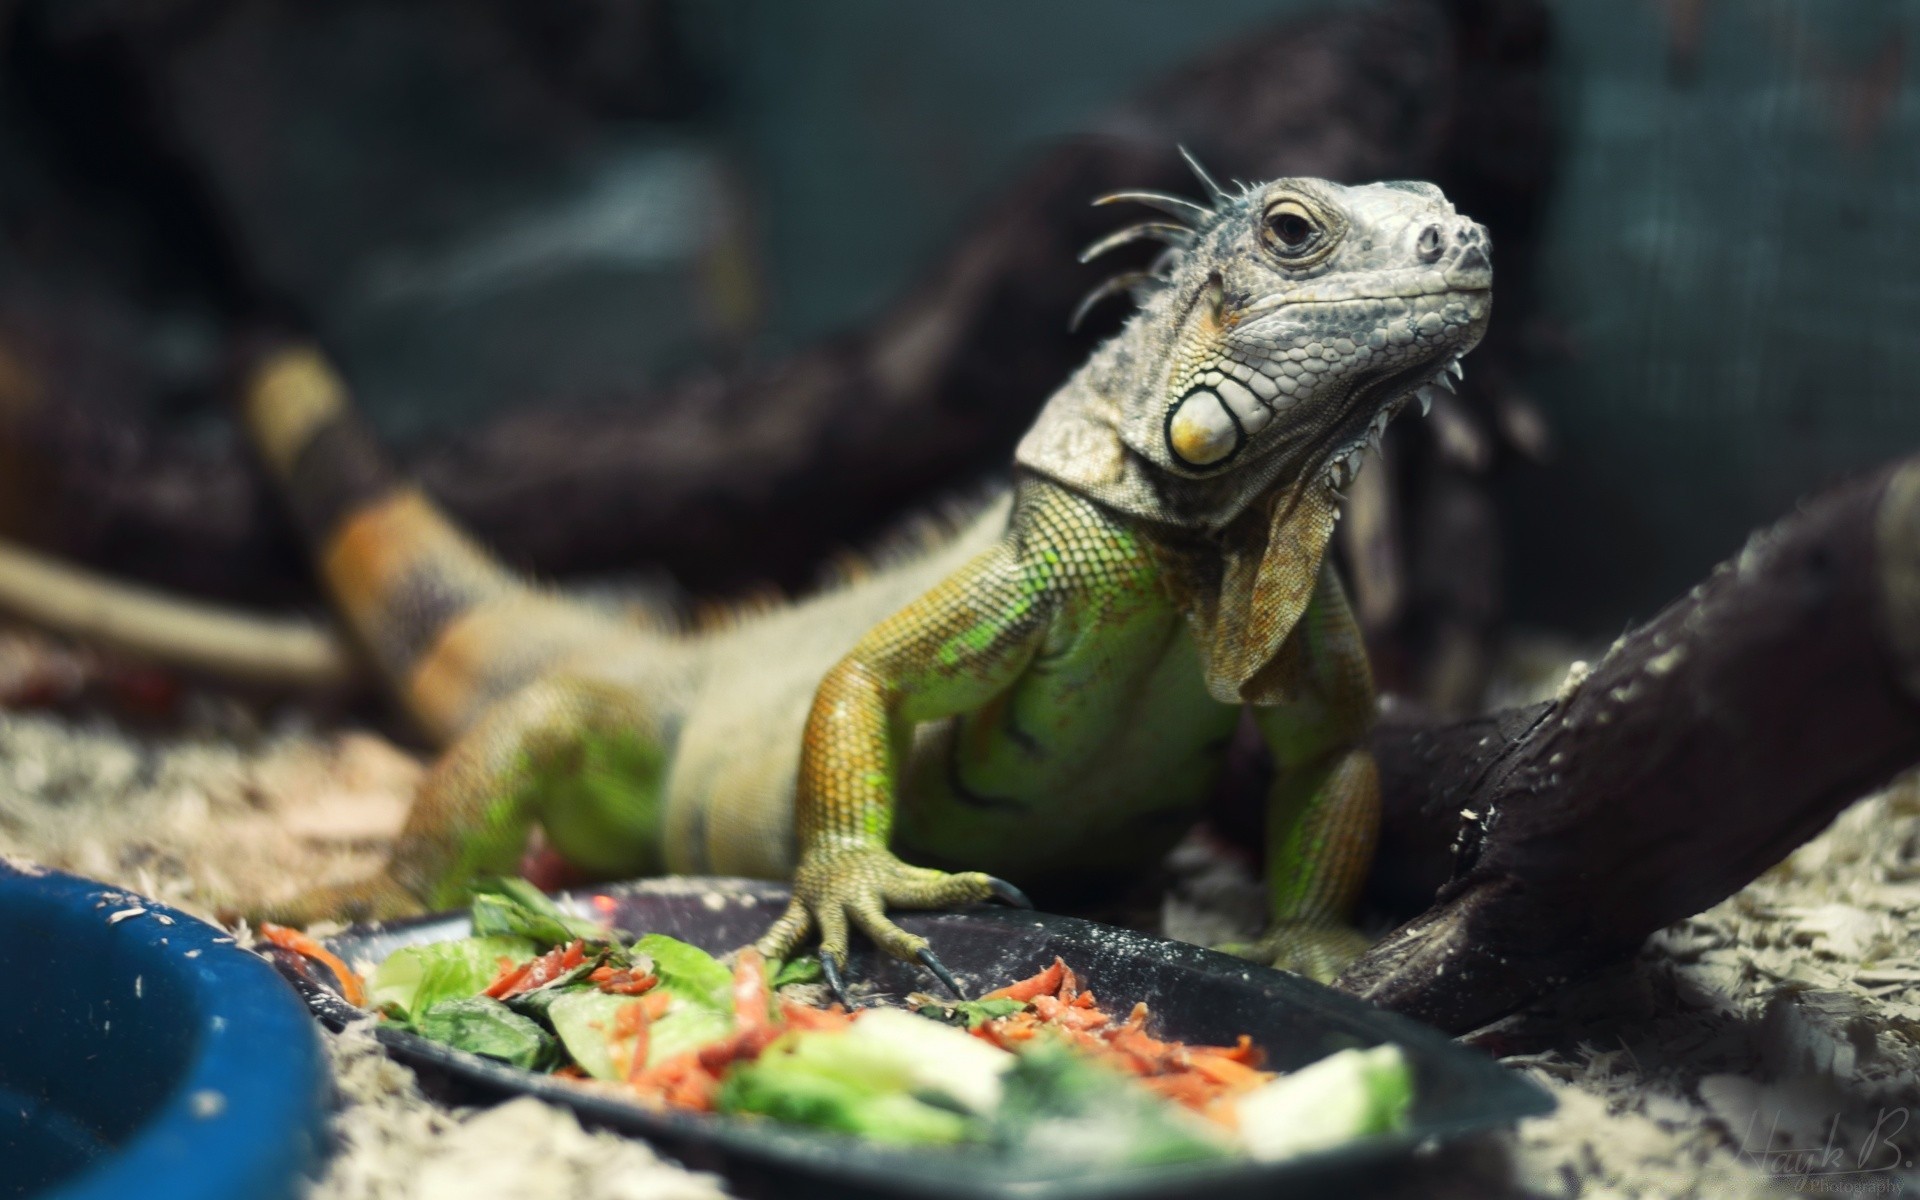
pixel 449 626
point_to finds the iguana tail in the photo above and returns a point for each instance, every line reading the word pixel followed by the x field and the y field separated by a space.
pixel 260 651
pixel 450 627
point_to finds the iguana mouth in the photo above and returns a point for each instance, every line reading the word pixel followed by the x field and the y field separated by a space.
pixel 1341 461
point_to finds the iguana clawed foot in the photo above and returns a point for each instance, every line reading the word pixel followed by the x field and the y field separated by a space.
pixel 838 889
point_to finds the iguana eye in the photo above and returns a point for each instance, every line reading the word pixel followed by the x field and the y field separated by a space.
pixel 1292 232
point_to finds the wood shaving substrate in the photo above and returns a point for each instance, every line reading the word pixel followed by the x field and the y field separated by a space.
pixel 1786 1017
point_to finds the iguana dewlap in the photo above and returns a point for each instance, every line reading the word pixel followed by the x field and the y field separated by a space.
pixel 1050 692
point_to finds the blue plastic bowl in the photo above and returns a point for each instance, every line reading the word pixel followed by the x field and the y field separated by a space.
pixel 146 1056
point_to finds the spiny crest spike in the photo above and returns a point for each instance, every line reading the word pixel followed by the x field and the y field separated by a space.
pixel 1215 192
pixel 1157 231
pixel 1174 206
pixel 1124 282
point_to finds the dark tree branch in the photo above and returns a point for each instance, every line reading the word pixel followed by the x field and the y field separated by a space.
pixel 1698 752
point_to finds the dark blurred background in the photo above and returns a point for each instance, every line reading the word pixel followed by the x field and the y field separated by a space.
pixel 580 256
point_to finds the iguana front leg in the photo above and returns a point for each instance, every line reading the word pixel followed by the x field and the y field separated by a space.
pixel 948 652
pixel 1323 814
pixel 575 756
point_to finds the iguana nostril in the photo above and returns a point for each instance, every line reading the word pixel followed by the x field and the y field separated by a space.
pixel 1471 269
pixel 1431 243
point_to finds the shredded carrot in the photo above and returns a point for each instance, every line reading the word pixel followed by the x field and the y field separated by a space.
pixel 624 984
pixel 1053 1001
pixel 1226 1072
pixel 510 975
pixel 751 995
pixel 1199 1077
pixel 805 1016
pixel 632 1022
pixel 292 939
pixel 538 971
pixel 1046 983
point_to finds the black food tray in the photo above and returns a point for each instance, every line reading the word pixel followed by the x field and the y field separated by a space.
pixel 1195 995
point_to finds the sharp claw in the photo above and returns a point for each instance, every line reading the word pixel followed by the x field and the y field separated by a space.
pixel 939 969
pixel 836 983
pixel 1008 894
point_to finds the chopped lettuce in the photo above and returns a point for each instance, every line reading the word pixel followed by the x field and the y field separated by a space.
pixel 685 1027
pixel 515 907
pixel 802 1094
pixel 972 1013
pixel 926 1057
pixel 1064 1107
pixel 414 978
pixel 891 1077
pixel 485 1026
pixel 587 1020
pixel 804 969
pixel 688 972
pixel 1344 1096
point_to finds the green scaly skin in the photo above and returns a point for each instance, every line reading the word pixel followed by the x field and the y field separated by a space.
pixel 1047 695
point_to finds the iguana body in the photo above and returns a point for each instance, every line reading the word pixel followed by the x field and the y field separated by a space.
pixel 1049 693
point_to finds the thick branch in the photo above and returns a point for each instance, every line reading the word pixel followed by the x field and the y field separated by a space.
pixel 1707 744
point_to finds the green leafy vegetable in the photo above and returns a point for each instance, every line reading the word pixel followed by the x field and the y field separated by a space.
pixel 415 978
pixel 1344 1096
pixel 827 1102
pixel 488 1027
pixel 1062 1106
pixel 689 972
pixel 686 1027
pixel 514 906
pixel 536 1002
pixel 863 1085
pixel 972 1013
pixel 797 970
pixel 890 1077
pixel 587 1020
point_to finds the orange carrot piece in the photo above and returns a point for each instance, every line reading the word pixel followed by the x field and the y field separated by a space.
pixel 1226 1071
pixel 1194 1091
pixel 292 939
pixel 751 995
pixel 1068 1017
pixel 509 977
pixel 694 1091
pixel 621 983
pixel 1046 983
pixel 805 1016
pixel 632 1022
pixel 1245 1051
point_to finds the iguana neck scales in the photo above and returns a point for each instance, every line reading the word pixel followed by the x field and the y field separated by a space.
pixel 1046 696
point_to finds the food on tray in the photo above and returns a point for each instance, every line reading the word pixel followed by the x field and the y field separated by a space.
pixel 1036 1063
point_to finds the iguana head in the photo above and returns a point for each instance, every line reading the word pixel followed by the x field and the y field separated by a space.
pixel 1282 328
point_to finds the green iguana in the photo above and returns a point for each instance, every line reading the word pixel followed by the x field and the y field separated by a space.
pixel 1049 693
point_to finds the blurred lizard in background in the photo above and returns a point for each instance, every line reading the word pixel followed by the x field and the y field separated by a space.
pixel 1048 695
